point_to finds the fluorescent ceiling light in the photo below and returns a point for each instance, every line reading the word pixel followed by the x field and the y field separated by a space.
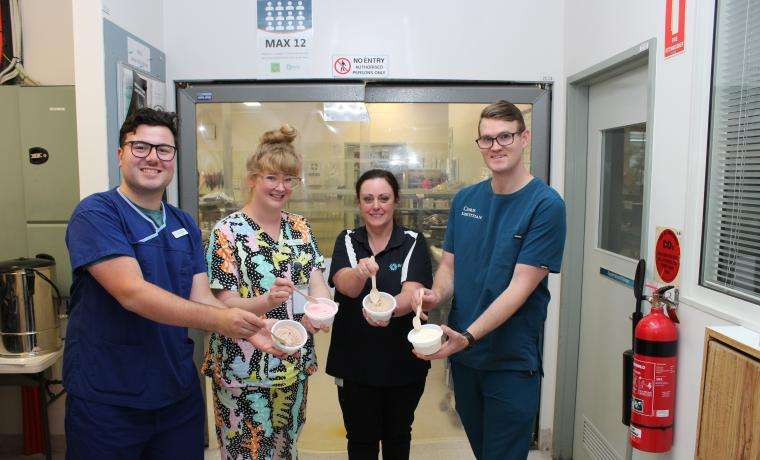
pixel 345 111
pixel 252 104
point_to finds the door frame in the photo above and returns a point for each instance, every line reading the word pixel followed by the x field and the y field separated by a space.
pixel 576 159
pixel 189 93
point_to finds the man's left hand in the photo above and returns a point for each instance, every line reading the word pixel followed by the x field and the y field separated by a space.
pixel 456 342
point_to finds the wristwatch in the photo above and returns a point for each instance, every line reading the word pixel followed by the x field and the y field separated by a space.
pixel 470 339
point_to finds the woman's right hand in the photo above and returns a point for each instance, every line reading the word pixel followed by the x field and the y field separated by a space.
pixel 367 267
pixel 280 291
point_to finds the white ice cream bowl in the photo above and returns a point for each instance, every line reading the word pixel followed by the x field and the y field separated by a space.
pixel 380 315
pixel 429 345
pixel 321 321
pixel 288 348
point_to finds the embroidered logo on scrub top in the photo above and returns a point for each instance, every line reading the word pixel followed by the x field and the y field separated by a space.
pixel 471 212
pixel 394 266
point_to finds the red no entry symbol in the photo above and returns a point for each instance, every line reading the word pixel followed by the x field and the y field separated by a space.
pixel 342 65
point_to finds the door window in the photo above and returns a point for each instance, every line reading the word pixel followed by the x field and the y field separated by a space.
pixel 430 147
pixel 622 189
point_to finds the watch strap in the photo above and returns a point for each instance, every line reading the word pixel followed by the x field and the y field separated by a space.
pixel 469 337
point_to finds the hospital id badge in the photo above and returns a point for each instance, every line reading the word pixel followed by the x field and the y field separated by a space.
pixel 299 305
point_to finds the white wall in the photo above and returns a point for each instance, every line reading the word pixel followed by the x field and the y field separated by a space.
pixel 489 40
pixel 597 30
pixel 144 18
pixel 48 41
pixel 90 96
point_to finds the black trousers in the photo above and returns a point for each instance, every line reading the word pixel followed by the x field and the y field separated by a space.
pixel 375 415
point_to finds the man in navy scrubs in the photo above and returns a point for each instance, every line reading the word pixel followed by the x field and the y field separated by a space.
pixel 503 237
pixel 139 283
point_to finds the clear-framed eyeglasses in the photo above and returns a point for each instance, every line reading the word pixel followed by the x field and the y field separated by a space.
pixel 272 180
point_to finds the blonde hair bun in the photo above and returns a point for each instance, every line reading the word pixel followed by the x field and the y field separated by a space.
pixel 286 135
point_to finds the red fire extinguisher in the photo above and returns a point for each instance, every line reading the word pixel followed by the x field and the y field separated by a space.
pixel 654 376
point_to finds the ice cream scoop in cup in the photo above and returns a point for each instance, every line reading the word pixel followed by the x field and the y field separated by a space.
pixel 427 340
pixel 322 312
pixel 382 309
pixel 289 336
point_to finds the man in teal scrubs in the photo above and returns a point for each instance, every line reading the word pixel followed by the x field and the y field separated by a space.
pixel 139 281
pixel 503 237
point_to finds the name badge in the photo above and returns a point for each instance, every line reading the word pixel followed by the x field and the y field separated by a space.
pixel 179 233
pixel 293 241
pixel 299 305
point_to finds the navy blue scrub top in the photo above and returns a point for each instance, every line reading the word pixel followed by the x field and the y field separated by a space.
pixel 489 234
pixel 114 356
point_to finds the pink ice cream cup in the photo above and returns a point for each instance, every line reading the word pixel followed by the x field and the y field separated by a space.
pixel 322 312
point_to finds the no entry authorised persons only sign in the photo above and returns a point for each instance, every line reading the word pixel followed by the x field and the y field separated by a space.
pixel 366 67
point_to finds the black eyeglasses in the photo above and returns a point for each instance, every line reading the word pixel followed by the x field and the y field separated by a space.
pixel 142 149
pixel 504 139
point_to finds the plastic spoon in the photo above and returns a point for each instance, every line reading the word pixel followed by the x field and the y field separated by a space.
pixel 416 320
pixel 278 338
pixel 374 294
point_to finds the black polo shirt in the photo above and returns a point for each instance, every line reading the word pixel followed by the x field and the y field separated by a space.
pixel 380 356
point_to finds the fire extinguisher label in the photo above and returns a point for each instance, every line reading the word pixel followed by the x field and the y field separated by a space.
pixel 653 387
pixel 635 432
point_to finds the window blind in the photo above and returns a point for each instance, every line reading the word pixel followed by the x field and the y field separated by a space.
pixel 731 240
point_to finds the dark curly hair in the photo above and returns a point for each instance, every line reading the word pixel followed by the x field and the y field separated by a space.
pixel 150 117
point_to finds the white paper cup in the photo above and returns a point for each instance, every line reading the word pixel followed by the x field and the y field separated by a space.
pixel 322 320
pixel 428 346
pixel 379 315
pixel 287 348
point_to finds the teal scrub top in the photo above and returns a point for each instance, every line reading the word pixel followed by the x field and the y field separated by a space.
pixel 489 234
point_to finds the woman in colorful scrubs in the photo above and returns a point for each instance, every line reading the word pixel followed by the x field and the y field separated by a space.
pixel 255 256
pixel 379 380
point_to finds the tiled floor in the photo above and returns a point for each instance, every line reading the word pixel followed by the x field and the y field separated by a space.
pixel 435 419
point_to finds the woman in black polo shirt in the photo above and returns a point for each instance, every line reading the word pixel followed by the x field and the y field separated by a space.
pixel 379 380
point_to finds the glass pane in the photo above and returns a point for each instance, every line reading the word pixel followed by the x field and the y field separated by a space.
pixel 429 147
pixel 622 190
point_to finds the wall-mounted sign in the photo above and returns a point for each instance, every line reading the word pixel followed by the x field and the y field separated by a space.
pixel 607 273
pixel 675 25
pixel 284 35
pixel 359 66
pixel 136 89
pixel 138 55
pixel 667 256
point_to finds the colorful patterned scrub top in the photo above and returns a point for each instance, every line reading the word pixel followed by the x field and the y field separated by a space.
pixel 243 258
